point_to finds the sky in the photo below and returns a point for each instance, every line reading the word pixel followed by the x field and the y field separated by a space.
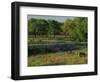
pixel 46 17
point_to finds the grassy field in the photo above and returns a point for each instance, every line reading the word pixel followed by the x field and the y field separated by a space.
pixel 59 58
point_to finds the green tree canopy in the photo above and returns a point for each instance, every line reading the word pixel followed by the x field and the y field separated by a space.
pixel 73 29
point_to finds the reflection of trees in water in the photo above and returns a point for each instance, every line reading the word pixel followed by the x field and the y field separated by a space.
pixel 58 47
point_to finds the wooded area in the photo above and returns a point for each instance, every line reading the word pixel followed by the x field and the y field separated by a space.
pixel 73 29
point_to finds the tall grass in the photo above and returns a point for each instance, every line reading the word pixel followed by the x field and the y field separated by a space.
pixel 59 58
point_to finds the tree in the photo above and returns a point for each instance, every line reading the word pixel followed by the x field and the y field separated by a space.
pixel 31 26
pixel 67 29
pixel 54 27
pixel 42 27
pixel 75 29
pixel 79 33
pixel 37 26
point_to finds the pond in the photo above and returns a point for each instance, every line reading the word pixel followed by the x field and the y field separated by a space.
pixel 55 47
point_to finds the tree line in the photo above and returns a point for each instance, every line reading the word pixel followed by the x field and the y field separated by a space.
pixel 74 29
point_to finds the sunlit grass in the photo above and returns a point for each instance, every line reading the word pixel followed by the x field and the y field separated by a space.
pixel 59 58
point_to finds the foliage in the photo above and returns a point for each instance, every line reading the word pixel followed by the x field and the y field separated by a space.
pixel 37 27
pixel 73 29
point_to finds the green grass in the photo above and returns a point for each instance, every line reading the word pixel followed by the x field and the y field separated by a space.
pixel 59 58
